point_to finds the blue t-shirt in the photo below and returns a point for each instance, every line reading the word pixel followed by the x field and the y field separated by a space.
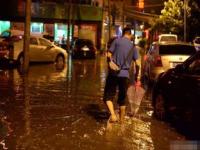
pixel 120 48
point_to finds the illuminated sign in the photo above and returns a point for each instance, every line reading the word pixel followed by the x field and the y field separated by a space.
pixel 141 4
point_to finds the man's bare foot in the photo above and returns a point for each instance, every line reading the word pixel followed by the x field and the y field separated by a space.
pixel 113 118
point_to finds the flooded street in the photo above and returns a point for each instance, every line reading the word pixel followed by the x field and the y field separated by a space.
pixel 50 109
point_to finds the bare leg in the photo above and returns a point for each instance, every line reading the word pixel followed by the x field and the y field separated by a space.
pixel 122 113
pixel 112 111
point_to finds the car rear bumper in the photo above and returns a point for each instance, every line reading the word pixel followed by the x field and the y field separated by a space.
pixel 155 73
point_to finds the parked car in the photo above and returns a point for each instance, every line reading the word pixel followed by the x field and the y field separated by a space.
pixel 84 48
pixel 176 93
pixel 196 43
pixel 41 50
pixel 163 56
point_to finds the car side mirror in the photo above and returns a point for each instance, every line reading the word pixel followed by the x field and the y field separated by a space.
pixel 50 46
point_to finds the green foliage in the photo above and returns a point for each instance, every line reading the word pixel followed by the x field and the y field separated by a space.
pixel 172 17
pixel 194 21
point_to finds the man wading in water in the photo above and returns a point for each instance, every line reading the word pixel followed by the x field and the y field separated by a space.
pixel 122 52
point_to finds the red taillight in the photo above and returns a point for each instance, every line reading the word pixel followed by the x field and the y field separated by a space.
pixel 158 61
pixel 145 57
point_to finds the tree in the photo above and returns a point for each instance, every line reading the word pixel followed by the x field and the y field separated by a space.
pixel 193 21
pixel 114 13
pixel 171 18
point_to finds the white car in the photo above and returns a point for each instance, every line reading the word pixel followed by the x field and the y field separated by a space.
pixel 163 56
pixel 41 50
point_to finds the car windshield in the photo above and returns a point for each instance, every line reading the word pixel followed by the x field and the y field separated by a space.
pixel 83 43
pixel 176 49
pixel 44 42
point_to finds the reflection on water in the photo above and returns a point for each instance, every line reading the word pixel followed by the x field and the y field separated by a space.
pixel 51 108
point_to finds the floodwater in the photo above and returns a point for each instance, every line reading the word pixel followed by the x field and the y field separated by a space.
pixel 62 109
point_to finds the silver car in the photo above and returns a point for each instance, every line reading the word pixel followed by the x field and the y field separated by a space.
pixel 40 50
pixel 163 56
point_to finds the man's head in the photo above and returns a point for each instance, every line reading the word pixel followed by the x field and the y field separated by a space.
pixel 127 32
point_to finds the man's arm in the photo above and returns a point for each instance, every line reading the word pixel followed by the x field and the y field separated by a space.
pixel 110 51
pixel 108 55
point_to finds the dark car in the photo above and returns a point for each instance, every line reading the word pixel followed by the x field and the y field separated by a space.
pixel 84 48
pixel 176 93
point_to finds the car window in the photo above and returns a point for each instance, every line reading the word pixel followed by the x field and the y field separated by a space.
pixel 168 38
pixel 81 43
pixel 176 50
pixel 33 41
pixel 44 42
pixel 194 67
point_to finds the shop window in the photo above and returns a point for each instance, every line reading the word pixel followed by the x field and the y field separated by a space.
pixel 37 27
pixel 61 33
pixel 4 25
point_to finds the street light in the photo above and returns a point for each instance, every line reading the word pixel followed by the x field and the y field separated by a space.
pixel 185 20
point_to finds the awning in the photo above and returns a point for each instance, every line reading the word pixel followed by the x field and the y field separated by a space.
pixel 146 17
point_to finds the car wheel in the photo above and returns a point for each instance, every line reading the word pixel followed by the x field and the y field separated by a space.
pixel 60 61
pixel 159 107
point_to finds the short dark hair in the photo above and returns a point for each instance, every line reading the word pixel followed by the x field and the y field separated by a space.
pixel 127 30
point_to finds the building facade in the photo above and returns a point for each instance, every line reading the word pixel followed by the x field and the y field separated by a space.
pixel 52 17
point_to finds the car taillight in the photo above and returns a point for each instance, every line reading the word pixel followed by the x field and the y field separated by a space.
pixel 145 57
pixel 158 61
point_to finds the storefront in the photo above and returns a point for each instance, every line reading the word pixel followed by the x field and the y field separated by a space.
pixel 52 19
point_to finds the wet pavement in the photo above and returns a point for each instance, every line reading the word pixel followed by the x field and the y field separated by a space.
pixel 62 109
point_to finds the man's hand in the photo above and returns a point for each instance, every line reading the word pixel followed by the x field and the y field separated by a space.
pixel 108 55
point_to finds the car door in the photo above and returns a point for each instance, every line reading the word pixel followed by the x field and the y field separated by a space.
pixel 184 87
pixel 34 49
pixel 193 72
pixel 150 61
pixel 47 50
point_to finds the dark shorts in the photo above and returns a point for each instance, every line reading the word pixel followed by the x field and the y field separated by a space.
pixel 112 84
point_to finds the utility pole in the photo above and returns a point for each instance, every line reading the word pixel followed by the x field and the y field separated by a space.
pixel 103 28
pixel 185 20
pixel 27 36
pixel 68 25
pixel 123 17
pixel 109 22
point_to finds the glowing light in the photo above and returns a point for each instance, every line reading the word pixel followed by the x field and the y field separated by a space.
pixel 141 4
